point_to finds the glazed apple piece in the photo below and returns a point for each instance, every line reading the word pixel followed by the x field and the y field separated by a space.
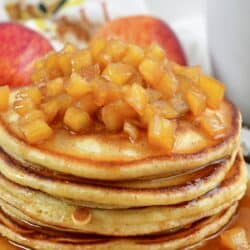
pixel 155 52
pixel 55 87
pixel 33 93
pixel 65 101
pixel 51 109
pixel 136 97
pixel 77 86
pixel 151 71
pixel 31 116
pixel 86 104
pixel 116 49
pixel 212 124
pixel 165 109
pixel 161 132
pixel 104 91
pixel 64 63
pixel 114 114
pixel 235 239
pixel 80 60
pixel 213 90
pixel 168 85
pixel 36 131
pixel 4 98
pixel 193 73
pixel 133 55
pixel 131 130
pixel 96 46
pixel 76 119
pixel 22 106
pixel 196 100
pixel 118 73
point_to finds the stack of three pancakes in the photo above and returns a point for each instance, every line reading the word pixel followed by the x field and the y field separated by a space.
pixel 102 192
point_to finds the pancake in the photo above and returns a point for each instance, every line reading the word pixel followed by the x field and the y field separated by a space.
pixel 113 157
pixel 115 197
pixel 46 239
pixel 38 208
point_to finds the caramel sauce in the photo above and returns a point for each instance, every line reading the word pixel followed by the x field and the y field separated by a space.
pixel 242 220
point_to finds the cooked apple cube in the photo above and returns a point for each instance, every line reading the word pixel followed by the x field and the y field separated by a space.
pixel 36 131
pixel 148 114
pixel 196 100
pixel 104 91
pixel 151 71
pixel 118 73
pixel 114 114
pixel 116 49
pixel 54 87
pixel 235 239
pixel 165 109
pixel 212 124
pixel 33 93
pixel 77 86
pixel 193 73
pixel 90 72
pixel 51 66
pixel 161 133
pixel 179 104
pixel 81 60
pixel 22 106
pixel 155 52
pixel 76 119
pixel 213 90
pixel 134 55
pixel 64 63
pixel 4 98
pixel 86 104
pixel 51 109
pixel 137 98
pixel 65 101
pixel 96 46
pixel 168 85
pixel 131 130
pixel 153 95
pixel 32 115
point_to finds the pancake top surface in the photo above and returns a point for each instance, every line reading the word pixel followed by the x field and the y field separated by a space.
pixel 108 147
pixel 90 155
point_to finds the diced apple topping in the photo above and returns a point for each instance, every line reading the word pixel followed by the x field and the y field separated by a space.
pixel 118 72
pixel 235 239
pixel 76 119
pixel 136 97
pixel 131 130
pixel 134 55
pixel 151 71
pixel 116 87
pixel 161 132
pixel 213 90
pixel 212 124
pixel 196 100
pixel 4 98
pixel 36 131
pixel 77 86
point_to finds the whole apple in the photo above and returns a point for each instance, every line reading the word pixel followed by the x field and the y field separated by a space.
pixel 143 30
pixel 19 48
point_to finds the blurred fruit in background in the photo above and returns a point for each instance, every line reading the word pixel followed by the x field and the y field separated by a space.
pixel 19 47
pixel 144 30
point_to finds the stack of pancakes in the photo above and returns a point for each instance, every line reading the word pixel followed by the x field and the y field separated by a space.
pixel 103 192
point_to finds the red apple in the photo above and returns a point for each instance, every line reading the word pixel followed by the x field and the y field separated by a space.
pixel 143 30
pixel 19 47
